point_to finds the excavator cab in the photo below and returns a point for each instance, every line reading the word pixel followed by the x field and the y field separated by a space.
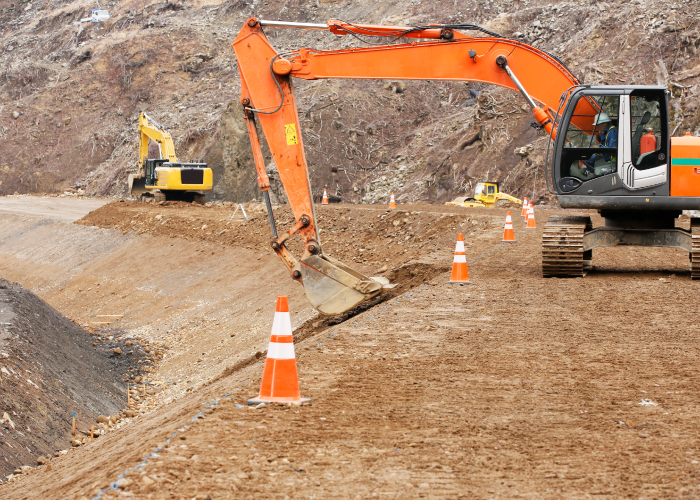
pixel 597 152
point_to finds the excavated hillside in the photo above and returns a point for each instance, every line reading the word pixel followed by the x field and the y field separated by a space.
pixel 71 94
pixel 49 370
pixel 516 386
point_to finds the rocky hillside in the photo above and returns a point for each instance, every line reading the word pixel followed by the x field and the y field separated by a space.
pixel 71 95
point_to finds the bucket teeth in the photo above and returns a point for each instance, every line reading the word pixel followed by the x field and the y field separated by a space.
pixel 562 247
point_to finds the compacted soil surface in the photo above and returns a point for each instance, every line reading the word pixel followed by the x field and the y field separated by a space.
pixel 513 387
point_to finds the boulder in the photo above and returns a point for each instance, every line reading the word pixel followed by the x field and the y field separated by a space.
pixel 123 483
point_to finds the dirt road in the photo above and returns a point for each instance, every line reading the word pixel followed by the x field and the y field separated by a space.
pixel 513 387
pixel 66 209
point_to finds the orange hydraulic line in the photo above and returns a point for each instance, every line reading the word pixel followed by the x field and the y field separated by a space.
pixel 343 28
pixel 453 57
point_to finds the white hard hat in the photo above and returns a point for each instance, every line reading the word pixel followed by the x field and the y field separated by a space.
pixel 601 118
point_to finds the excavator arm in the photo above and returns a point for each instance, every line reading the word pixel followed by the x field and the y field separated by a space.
pixel 447 54
pixel 149 129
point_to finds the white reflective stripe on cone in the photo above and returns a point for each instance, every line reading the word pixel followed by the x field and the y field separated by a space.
pixel 459 259
pixel 459 247
pixel 280 351
pixel 282 324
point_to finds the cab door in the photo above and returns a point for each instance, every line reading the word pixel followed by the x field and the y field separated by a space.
pixel 641 110
pixel 490 192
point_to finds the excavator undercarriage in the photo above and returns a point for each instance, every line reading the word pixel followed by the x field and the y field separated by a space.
pixel 568 241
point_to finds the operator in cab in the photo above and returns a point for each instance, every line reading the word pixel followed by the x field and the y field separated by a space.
pixel 606 134
pixel 600 164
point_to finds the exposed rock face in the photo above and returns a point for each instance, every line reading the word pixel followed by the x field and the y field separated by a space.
pixel 75 95
pixel 234 174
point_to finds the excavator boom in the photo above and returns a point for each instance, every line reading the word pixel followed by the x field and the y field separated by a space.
pixel 149 129
pixel 267 95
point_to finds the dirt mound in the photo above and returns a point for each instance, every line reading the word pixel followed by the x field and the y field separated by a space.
pixel 371 238
pixel 48 370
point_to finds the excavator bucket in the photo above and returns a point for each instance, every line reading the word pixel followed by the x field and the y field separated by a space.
pixel 334 288
pixel 137 185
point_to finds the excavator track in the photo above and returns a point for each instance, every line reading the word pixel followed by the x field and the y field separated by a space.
pixel 562 247
pixel 695 253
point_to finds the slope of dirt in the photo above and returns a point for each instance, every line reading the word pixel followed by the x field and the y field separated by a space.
pixel 371 237
pixel 513 387
pixel 50 370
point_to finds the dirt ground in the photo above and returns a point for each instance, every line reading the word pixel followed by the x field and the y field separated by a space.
pixel 513 387
pixel 48 370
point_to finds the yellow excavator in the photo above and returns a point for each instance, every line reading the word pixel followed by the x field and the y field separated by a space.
pixel 165 178
pixel 486 194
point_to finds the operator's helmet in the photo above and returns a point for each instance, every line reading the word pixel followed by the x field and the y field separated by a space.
pixel 601 118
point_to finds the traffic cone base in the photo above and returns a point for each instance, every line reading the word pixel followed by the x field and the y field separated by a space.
pixel 508 234
pixel 280 382
pixel 460 271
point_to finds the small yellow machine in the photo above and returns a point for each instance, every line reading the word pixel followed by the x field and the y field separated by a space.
pixel 486 195
pixel 164 178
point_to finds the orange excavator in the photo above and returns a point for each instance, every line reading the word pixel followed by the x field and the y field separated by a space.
pixel 597 161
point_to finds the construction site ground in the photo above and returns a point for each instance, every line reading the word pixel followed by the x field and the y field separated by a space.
pixel 512 387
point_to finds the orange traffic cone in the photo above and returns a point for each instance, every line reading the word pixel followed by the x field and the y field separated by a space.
pixel 527 207
pixel 280 383
pixel 460 272
pixel 531 217
pixel 324 201
pixel 508 234
pixel 523 212
pixel 392 201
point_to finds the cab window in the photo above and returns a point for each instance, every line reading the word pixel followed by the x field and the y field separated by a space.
pixel 590 149
pixel 491 189
pixel 648 127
